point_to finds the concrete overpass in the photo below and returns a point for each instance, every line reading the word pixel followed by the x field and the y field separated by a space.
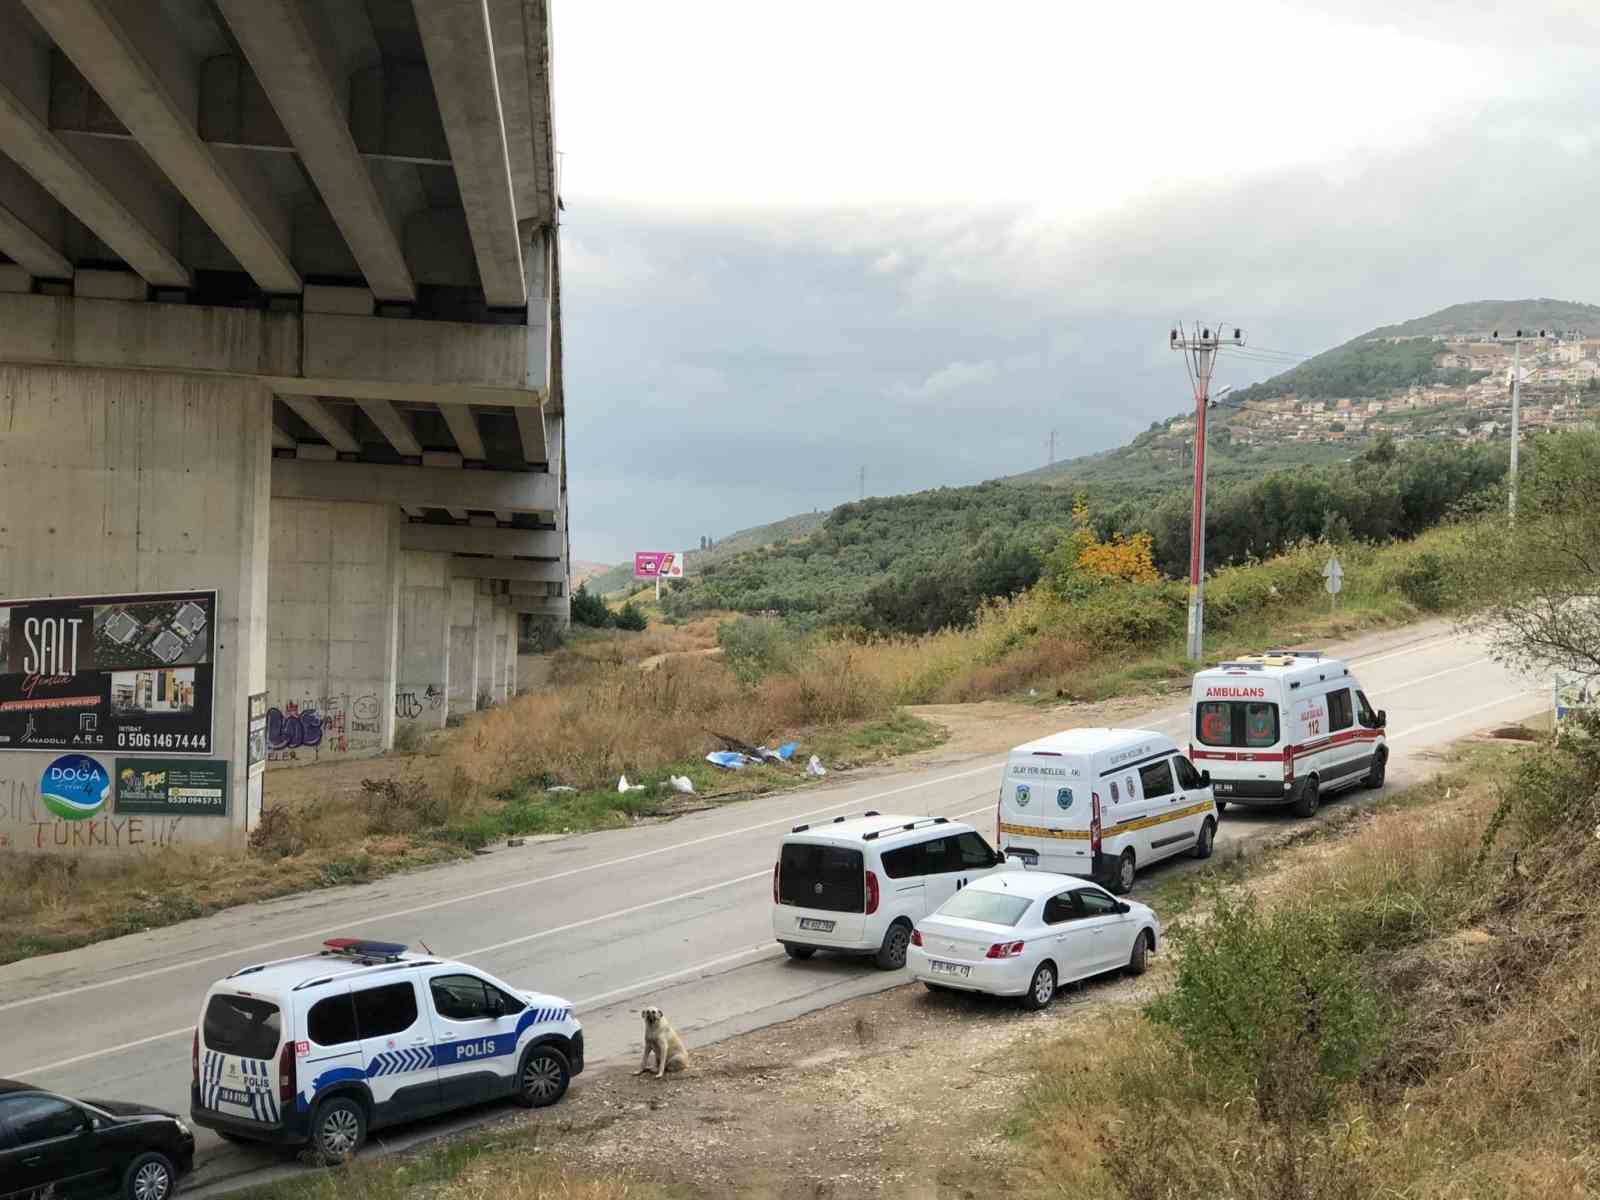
pixel 279 320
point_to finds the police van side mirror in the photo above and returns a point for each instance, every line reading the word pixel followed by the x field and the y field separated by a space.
pixel 497 1007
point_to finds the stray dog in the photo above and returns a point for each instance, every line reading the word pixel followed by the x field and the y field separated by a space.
pixel 662 1040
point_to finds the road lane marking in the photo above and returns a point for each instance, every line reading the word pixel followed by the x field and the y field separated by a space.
pixel 1466 712
pixel 590 1002
pixel 134 1045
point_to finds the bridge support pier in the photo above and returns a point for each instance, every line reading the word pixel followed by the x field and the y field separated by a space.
pixel 334 601
pixel 119 482
pixel 425 637
pixel 463 689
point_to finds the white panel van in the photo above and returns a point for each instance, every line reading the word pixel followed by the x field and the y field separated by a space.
pixel 1102 803
pixel 1285 728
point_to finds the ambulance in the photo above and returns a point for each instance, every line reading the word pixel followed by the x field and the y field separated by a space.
pixel 1286 727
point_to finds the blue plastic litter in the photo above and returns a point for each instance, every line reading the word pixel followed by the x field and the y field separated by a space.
pixel 730 759
pixel 786 751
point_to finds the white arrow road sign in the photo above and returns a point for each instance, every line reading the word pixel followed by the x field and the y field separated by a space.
pixel 1334 574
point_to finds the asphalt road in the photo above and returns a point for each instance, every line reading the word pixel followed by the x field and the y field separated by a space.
pixel 674 914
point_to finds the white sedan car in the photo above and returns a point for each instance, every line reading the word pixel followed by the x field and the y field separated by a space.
pixel 1025 933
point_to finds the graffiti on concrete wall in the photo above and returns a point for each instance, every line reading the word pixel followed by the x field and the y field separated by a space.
pixel 315 727
pixel 409 705
pixel 27 824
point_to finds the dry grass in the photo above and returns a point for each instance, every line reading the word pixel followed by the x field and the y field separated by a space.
pixel 615 719
pixel 502 1166
pixel 1487 1087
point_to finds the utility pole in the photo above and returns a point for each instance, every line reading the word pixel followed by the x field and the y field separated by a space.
pixel 863 483
pixel 1199 347
pixel 1516 412
pixel 1052 448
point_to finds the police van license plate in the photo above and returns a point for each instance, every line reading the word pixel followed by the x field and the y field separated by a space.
pixel 944 968
pixel 813 923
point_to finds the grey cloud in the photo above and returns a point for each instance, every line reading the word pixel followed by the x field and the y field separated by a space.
pixel 730 368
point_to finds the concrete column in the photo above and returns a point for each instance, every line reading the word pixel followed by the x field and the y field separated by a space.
pixel 463 647
pixel 504 647
pixel 333 635
pixel 425 636
pixel 118 482
pixel 488 658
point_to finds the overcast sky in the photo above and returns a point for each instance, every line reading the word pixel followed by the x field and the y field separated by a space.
pixel 916 236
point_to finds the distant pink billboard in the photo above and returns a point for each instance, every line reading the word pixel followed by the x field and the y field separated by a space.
pixel 657 564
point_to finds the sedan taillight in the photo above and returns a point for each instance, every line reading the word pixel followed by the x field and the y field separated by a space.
pixel 916 937
pixel 1004 950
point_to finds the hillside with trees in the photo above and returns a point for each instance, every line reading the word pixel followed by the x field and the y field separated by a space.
pixel 929 560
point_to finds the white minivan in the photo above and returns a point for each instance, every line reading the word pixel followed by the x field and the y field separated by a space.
pixel 1286 728
pixel 859 884
pixel 1102 803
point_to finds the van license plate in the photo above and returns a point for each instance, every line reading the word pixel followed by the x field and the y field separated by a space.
pixel 818 926
pixel 944 968
pixel 1223 787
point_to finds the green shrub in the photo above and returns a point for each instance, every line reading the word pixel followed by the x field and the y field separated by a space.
pixel 755 647
pixel 1554 792
pixel 1125 615
pixel 632 618
pixel 1272 1008
pixel 589 609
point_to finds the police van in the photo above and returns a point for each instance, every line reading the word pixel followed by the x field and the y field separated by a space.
pixel 1103 803
pixel 859 884
pixel 1286 728
pixel 323 1048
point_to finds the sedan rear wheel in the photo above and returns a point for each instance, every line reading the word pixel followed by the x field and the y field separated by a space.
pixel 1042 990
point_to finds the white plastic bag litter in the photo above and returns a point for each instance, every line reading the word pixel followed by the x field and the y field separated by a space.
pixel 815 769
pixel 681 783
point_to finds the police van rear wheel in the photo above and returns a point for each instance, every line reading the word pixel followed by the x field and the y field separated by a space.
pixel 1203 843
pixel 1122 881
pixel 1310 798
pixel 544 1077
pixel 339 1129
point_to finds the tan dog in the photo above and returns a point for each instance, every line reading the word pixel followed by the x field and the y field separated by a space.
pixel 662 1040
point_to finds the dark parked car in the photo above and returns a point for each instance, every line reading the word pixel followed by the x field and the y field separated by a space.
pixel 50 1145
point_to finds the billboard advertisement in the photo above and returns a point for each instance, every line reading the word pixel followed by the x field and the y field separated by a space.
pixel 108 673
pixel 174 786
pixel 657 564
